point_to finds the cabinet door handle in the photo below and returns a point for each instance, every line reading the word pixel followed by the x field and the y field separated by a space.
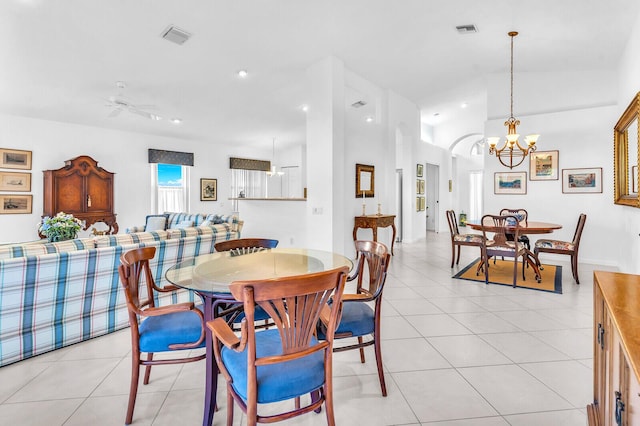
pixel 601 336
pixel 619 408
pixel 88 200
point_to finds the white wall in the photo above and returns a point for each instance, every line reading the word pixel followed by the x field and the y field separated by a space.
pixel 628 86
pixel 123 153
pixel 576 120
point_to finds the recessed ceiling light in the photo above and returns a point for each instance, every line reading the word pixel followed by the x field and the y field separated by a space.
pixel 304 107
pixel 243 73
pixel 464 105
pixel 176 120
pixel 369 119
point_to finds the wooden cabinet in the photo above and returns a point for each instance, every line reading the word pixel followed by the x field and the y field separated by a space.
pixel 82 189
pixel 616 357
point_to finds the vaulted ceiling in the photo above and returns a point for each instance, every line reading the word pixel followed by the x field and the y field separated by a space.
pixel 60 60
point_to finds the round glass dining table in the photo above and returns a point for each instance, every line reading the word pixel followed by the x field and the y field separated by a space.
pixel 209 276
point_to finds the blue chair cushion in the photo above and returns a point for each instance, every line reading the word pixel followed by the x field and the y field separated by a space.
pixel 276 382
pixel 157 333
pixel 357 319
pixel 259 314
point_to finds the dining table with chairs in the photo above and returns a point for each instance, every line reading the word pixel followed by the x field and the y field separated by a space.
pixel 211 275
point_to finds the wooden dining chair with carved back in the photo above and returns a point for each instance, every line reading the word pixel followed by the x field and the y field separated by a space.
pixel 169 328
pixel 287 361
pixel 522 216
pixel 458 240
pixel 500 245
pixel 359 319
pixel 569 248
pixel 246 245
pixel 238 247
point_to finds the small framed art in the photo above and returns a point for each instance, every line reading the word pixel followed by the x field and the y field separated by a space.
pixel 208 189
pixel 15 182
pixel 15 159
pixel 419 170
pixel 510 183
pixel 15 204
pixel 543 165
pixel 579 181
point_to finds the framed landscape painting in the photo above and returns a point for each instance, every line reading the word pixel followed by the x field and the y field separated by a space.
pixel 15 159
pixel 543 165
pixel 586 180
pixel 15 204
pixel 510 183
pixel 15 181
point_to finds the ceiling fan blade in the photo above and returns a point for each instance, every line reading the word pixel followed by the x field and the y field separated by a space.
pixel 143 113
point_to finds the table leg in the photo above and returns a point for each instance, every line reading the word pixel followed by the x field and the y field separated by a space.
pixel 355 233
pixel 375 233
pixel 393 238
pixel 211 376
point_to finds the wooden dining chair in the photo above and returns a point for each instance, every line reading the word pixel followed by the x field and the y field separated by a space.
pixel 569 248
pixel 245 245
pixel 238 247
pixel 154 328
pixel 522 216
pixel 500 245
pixel 285 362
pixel 458 240
pixel 359 319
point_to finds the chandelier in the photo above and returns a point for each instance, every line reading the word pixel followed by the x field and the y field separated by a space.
pixel 512 154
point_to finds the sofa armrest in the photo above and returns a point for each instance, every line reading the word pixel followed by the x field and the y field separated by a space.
pixel 133 229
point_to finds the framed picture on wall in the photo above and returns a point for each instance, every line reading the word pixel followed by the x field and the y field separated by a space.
pixel 418 204
pixel 208 189
pixel 580 181
pixel 543 165
pixel 15 204
pixel 15 159
pixel 365 181
pixel 15 182
pixel 510 183
pixel 419 170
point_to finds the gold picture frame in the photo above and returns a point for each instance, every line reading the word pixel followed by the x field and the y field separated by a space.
pixel 419 170
pixel 15 181
pixel 16 204
pixel 15 159
pixel 208 189
pixel 626 146
pixel 421 186
pixel 365 181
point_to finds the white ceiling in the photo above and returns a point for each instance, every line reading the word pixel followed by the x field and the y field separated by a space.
pixel 59 60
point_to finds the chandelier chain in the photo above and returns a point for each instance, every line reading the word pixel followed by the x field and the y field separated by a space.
pixel 512 36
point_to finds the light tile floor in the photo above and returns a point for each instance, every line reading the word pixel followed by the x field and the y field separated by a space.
pixel 455 353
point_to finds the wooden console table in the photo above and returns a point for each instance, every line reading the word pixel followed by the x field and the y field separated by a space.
pixel 375 221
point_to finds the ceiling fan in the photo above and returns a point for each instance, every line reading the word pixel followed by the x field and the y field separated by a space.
pixel 119 104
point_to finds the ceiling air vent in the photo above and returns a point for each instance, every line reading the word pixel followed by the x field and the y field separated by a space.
pixel 175 35
pixel 466 29
pixel 358 104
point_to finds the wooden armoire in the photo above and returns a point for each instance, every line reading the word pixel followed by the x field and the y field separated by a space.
pixel 83 189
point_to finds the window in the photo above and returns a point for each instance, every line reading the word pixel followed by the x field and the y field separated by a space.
pixel 475 194
pixel 170 188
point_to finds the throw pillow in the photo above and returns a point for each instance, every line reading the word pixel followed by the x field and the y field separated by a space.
pixel 156 222
pixel 206 223
pixel 185 224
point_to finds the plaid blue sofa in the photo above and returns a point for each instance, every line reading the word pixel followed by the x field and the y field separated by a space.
pixel 175 219
pixel 57 294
